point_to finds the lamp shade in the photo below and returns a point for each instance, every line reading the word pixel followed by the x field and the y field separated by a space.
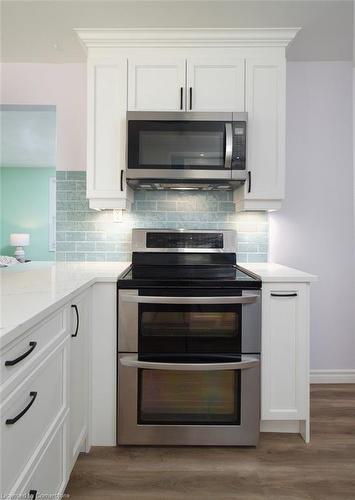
pixel 19 239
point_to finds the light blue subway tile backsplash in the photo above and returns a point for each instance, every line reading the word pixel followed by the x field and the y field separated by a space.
pixel 88 235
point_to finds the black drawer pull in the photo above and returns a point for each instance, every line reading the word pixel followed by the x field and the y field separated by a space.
pixel 11 421
pixel 181 98
pixel 284 294
pixel 121 181
pixel 13 362
pixel 190 97
pixel 74 306
pixel 33 493
pixel 249 181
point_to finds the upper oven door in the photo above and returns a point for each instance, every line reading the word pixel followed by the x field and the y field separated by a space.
pixel 189 324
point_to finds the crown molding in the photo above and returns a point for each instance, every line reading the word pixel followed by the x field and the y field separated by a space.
pixel 186 37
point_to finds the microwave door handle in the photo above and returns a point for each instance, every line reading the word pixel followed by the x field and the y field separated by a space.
pixel 133 362
pixel 229 146
pixel 142 299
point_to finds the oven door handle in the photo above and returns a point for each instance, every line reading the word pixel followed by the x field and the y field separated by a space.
pixel 146 299
pixel 133 362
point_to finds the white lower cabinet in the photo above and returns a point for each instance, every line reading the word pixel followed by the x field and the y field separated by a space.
pixel 79 373
pixel 285 354
pixel 30 414
pixel 49 477
pixel 45 403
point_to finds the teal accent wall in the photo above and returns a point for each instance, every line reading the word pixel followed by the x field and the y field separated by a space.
pixel 24 209
pixel 89 235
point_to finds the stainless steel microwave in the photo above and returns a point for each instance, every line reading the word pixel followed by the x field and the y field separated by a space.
pixel 174 150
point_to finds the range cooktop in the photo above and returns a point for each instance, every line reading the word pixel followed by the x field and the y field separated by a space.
pixel 185 259
pixel 188 276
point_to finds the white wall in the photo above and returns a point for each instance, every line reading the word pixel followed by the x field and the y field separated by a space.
pixel 62 85
pixel 42 31
pixel 314 230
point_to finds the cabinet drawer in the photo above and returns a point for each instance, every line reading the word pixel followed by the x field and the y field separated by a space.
pixel 14 357
pixel 27 414
pixel 49 476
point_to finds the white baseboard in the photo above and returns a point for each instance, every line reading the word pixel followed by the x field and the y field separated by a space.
pixel 333 376
pixel 289 426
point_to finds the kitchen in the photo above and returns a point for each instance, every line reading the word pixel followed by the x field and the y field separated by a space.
pixel 233 77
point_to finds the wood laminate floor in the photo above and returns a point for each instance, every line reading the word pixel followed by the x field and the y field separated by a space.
pixel 281 467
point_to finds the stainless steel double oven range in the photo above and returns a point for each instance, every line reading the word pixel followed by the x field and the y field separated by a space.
pixel 189 323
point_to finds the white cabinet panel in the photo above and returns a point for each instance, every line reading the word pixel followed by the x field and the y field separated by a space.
pixel 104 364
pixel 107 104
pixel 216 84
pixel 265 104
pixel 285 351
pixel 50 476
pixel 156 84
pixel 30 412
pixel 79 373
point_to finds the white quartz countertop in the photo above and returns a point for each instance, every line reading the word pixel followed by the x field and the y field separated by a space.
pixel 31 291
pixel 270 272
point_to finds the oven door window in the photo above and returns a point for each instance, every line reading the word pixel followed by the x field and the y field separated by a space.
pixel 179 145
pixel 189 397
pixel 185 328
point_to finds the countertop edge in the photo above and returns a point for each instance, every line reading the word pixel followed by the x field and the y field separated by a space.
pixel 284 275
pixel 13 332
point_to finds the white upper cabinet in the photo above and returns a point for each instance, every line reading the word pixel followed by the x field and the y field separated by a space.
pixel 187 70
pixel 215 84
pixel 106 133
pixel 179 84
pixel 265 105
pixel 156 84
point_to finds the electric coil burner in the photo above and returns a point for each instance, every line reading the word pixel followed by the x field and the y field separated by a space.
pixel 189 323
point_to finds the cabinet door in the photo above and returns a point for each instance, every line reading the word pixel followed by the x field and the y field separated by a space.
pixel 265 104
pixel 79 373
pixel 285 351
pixel 215 84
pixel 106 155
pixel 49 477
pixel 156 84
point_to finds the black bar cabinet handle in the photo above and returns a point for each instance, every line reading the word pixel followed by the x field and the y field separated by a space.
pixel 181 97
pixel 190 97
pixel 33 493
pixel 249 181
pixel 121 181
pixel 75 307
pixel 11 421
pixel 13 362
pixel 284 294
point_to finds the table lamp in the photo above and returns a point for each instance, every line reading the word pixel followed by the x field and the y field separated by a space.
pixel 19 240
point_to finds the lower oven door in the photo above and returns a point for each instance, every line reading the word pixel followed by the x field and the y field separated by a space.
pixel 188 403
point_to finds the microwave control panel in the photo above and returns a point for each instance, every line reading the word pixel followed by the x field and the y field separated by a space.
pixel 239 145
